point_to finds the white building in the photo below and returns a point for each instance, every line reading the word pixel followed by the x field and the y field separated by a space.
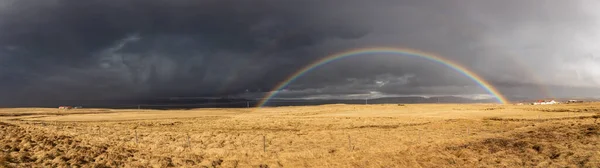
pixel 545 102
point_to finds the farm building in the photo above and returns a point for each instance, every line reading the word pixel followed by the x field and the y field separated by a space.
pixel 65 107
pixel 544 102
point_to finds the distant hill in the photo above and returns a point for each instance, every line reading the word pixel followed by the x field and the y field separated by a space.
pixel 386 100
pixel 559 99
pixel 156 103
pixel 187 103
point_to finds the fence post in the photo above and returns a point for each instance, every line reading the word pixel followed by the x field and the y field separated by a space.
pixel 467 131
pixel 188 141
pixel 350 143
pixel 136 137
pixel 264 144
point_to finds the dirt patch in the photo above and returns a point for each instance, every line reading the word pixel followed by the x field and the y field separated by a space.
pixel 388 126
pixel 554 146
pixel 29 148
pixel 596 116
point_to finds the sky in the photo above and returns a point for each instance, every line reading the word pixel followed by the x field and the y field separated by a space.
pixel 137 49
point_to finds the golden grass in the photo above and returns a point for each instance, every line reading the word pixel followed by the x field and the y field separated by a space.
pixel 433 135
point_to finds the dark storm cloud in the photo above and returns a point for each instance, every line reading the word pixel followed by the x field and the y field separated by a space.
pixel 520 47
pixel 76 49
pixel 66 49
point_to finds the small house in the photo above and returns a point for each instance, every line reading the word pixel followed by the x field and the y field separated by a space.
pixel 544 102
pixel 65 107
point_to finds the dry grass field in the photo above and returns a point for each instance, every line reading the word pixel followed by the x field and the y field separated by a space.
pixel 412 135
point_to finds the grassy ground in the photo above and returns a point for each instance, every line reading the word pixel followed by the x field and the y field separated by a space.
pixel 434 135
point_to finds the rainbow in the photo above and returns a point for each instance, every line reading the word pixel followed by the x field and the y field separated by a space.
pixel 385 50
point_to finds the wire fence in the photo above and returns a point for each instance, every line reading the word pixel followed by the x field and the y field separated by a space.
pixel 234 104
pixel 189 104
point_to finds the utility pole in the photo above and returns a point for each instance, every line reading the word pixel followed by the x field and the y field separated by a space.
pixel 366 100
pixel 248 104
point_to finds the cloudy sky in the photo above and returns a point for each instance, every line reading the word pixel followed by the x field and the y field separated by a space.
pixel 114 49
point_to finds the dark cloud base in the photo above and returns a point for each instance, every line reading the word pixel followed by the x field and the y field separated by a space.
pixel 66 50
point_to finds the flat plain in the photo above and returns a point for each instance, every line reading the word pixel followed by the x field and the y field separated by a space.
pixel 390 135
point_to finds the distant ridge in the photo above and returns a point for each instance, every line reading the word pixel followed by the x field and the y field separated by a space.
pixel 202 102
pixel 385 100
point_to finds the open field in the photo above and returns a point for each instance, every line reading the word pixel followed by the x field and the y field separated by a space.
pixel 412 135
